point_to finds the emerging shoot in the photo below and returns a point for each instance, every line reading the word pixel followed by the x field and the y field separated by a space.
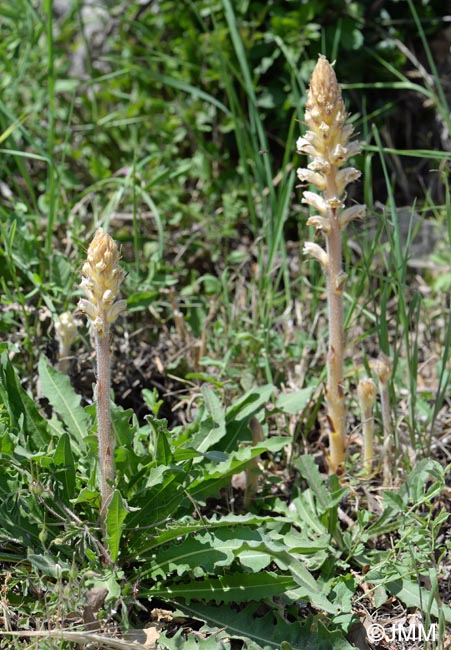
pixel 366 393
pixel 66 333
pixel 382 369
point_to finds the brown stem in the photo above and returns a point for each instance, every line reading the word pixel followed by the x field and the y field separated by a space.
pixel 104 428
pixel 335 356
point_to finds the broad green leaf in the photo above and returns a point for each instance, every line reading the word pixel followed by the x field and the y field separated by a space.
pixel 57 388
pixel 87 495
pixel 239 414
pixel 255 560
pixel 215 475
pixel 234 588
pixel 413 489
pixel 306 513
pixel 217 427
pixel 302 544
pixel 64 461
pixel 156 503
pixel 48 565
pixel 114 523
pixel 412 595
pixel 21 409
pixel 250 403
pixel 309 470
pixel 162 449
pixel 124 423
pixel 293 403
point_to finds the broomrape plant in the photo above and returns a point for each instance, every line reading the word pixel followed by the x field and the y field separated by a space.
pixel 102 278
pixel 328 145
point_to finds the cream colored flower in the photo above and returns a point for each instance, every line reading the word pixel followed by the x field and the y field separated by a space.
pixel 101 281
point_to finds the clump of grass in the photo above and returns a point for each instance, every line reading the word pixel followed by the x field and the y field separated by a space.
pixel 328 145
pixel 101 281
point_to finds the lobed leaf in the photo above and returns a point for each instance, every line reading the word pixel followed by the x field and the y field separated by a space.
pixel 234 588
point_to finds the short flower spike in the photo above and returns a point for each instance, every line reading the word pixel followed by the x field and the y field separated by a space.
pixel 102 278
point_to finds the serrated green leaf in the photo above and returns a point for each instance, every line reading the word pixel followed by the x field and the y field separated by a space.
pixel 114 523
pixel 267 632
pixel 236 588
pixel 300 543
pixel 64 461
pixel 183 641
pixel 217 549
pixel 191 526
pixel 201 554
pixel 57 388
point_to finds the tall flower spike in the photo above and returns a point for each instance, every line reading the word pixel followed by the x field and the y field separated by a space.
pixel 101 281
pixel 327 144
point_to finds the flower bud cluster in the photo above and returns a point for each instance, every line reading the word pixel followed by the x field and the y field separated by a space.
pixel 66 331
pixel 101 282
pixel 327 144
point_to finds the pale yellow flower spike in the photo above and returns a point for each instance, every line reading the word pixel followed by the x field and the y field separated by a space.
pixel 102 278
pixel 327 144
pixel 101 281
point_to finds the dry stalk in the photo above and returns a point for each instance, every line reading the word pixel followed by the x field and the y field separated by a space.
pixel 327 144
pixel 101 281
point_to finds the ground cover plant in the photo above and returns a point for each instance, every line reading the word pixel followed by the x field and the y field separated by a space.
pixel 165 473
